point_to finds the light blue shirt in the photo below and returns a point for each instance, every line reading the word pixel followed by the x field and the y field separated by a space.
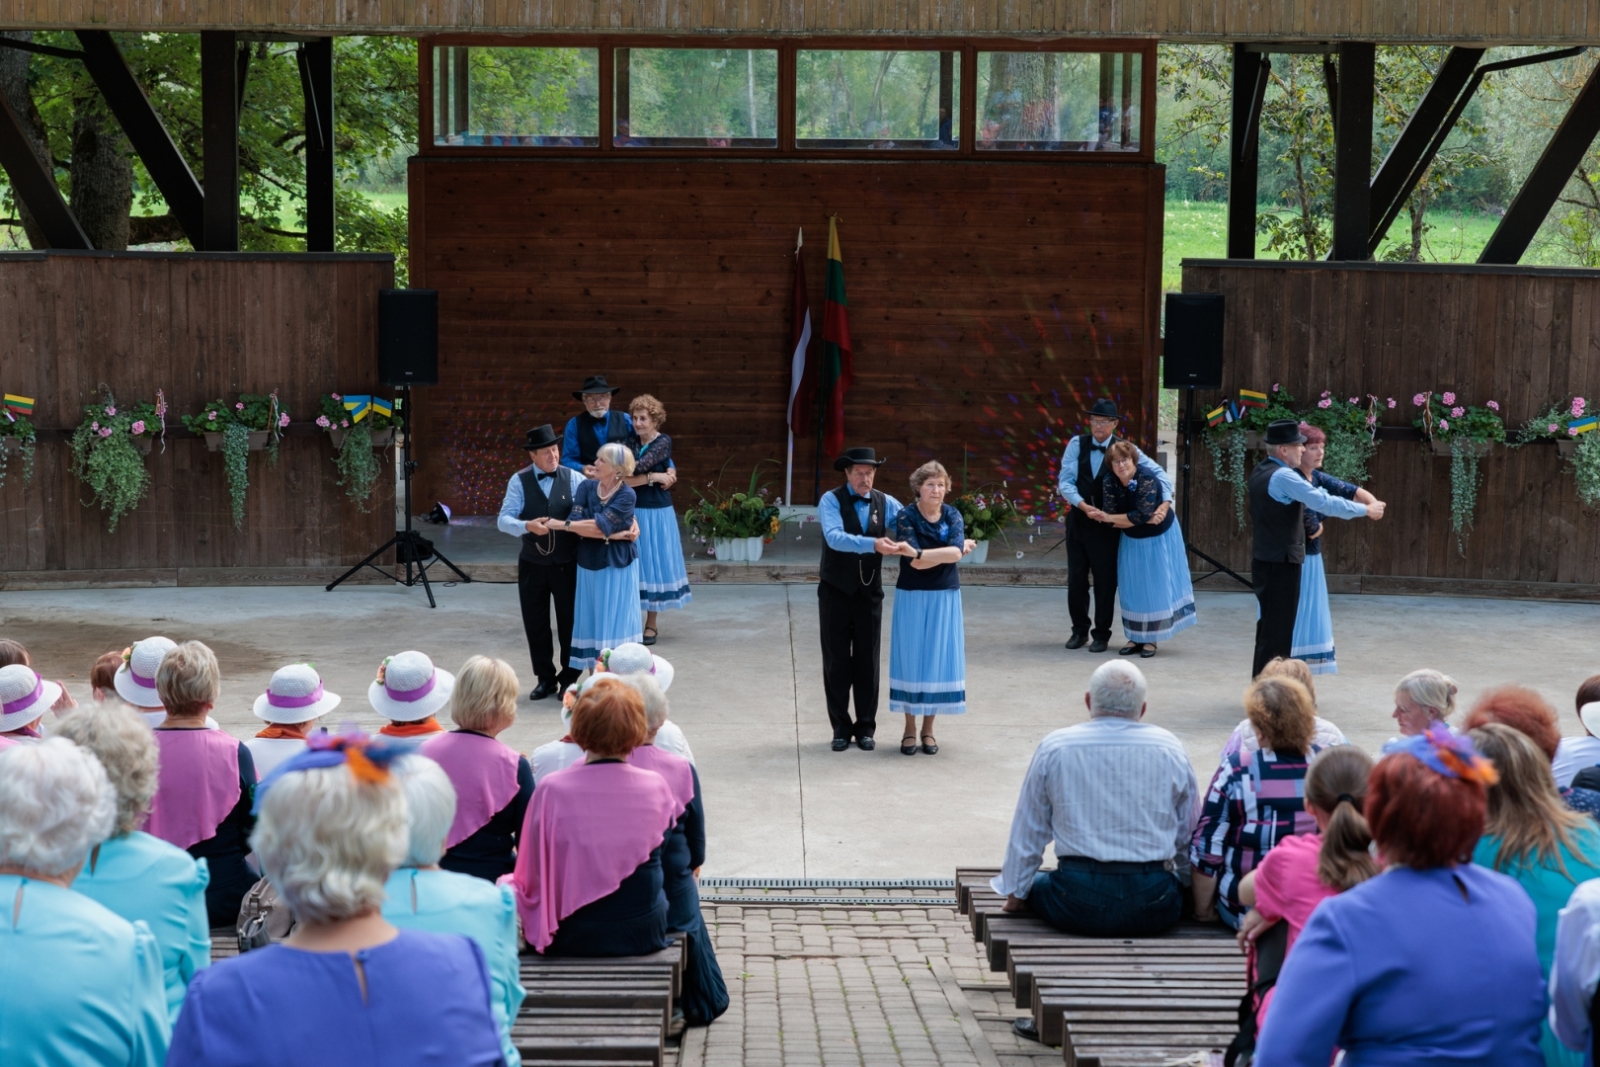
pixel 1289 486
pixel 1067 481
pixel 83 985
pixel 833 530
pixel 444 902
pixel 511 506
pixel 569 439
pixel 142 877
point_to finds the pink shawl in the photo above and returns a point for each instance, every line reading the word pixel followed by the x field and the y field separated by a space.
pixel 587 828
pixel 484 772
pixel 197 788
pixel 675 769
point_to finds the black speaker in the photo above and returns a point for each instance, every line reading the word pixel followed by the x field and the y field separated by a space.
pixel 1193 353
pixel 408 336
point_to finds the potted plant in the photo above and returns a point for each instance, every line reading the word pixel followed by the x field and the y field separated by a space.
pixel 1352 429
pixel 17 434
pixel 1465 434
pixel 108 450
pixel 1571 425
pixel 253 423
pixel 356 433
pixel 984 512
pixel 737 525
pixel 1237 431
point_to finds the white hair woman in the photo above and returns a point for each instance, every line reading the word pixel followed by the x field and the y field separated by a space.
pixel 492 781
pixel 347 986
pixel 131 873
pixel 84 983
pixel 1423 698
pixel 634 658
pixel 421 895
pixel 607 607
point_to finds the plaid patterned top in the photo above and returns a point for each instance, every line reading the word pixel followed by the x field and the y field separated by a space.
pixel 1255 800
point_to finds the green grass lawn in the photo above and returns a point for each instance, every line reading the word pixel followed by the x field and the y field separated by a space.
pixel 386 201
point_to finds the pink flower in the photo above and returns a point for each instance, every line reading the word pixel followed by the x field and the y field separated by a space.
pixel 283 420
pixel 322 420
pixel 1553 428
pixel 239 406
pixel 344 424
pixel 1324 403
pixel 211 416
pixel 1418 400
pixel 1448 398
pixel 1372 420
pixel 1327 392
pixel 105 431
pixel 336 396
pixel 1456 413
pixel 94 426
pixel 112 411
pixel 1444 424
pixel 1355 400
pixel 1577 406
pixel 1274 387
pixel 1491 405
pixel 137 428
pixel 1571 432
pixel 1391 403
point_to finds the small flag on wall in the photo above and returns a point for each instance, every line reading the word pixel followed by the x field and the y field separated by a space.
pixel 1217 417
pixel 359 407
pixel 1583 425
pixel 380 406
pixel 1249 398
pixel 22 405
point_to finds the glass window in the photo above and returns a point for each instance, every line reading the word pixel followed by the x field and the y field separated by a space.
pixel 1059 101
pixel 700 97
pixel 516 96
pixel 854 99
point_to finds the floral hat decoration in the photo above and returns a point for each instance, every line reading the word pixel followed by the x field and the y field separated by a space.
pixel 367 757
pixel 1443 752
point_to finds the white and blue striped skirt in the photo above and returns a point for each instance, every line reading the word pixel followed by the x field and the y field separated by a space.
pixel 1153 586
pixel 927 653
pixel 1313 622
pixel 663 579
pixel 606 613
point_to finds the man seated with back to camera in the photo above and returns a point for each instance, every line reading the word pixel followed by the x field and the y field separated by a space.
pixel 1118 797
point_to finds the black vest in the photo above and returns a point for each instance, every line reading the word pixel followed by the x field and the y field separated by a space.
pixel 847 571
pixel 1278 531
pixel 589 438
pixel 1090 486
pixel 553 548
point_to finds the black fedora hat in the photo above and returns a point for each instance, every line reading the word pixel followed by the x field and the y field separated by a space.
pixel 596 383
pixel 854 456
pixel 540 437
pixel 1284 432
pixel 1104 408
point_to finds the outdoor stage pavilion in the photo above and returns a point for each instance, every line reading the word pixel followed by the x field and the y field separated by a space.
pixel 1000 273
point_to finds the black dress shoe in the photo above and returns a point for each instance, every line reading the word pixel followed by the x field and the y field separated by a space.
pixel 1024 1027
pixel 1077 640
pixel 841 743
pixel 1100 645
pixel 866 744
pixel 547 688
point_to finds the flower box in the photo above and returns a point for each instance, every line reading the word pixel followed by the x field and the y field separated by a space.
pixel 1568 448
pixel 978 555
pixel 144 442
pixel 258 441
pixel 738 549
pixel 1479 448
pixel 380 439
pixel 10 444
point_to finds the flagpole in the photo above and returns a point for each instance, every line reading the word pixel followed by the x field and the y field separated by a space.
pixel 788 473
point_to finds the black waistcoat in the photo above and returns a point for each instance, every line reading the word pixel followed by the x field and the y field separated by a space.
pixel 1278 532
pixel 847 571
pixel 1089 486
pixel 553 548
pixel 589 438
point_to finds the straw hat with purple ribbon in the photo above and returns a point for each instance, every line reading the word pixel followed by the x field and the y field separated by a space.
pixel 295 695
pixel 410 688
pixel 24 697
pixel 135 680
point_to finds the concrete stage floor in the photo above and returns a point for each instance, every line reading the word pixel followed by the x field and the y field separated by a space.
pixel 748 692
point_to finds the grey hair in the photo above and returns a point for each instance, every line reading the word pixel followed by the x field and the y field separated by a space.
pixel 656 708
pixel 56 803
pixel 1118 689
pixel 430 808
pixel 188 679
pixel 126 749
pixel 328 842
pixel 618 456
pixel 1429 689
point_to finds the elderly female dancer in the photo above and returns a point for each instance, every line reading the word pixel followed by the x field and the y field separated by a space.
pixel 83 984
pixel 347 986
pixel 1152 563
pixel 663 579
pixel 1369 975
pixel 1313 623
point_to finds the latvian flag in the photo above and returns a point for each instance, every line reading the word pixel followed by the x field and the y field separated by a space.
pixel 1249 398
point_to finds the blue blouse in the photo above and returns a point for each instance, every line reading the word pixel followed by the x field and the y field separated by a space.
pixel 1138 500
pixel 950 531
pixel 142 877
pixel 613 516
pixel 652 458
pixel 1328 484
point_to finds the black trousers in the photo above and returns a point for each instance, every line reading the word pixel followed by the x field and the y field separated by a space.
pixel 1277 587
pixel 537 585
pixel 852 624
pixel 1091 548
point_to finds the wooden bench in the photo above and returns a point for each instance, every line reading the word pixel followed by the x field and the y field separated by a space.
pixel 618 1035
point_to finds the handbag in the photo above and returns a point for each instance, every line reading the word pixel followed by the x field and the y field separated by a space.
pixel 263 917
pixel 1266 960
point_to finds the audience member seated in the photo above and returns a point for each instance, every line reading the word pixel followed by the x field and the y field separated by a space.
pixel 409 692
pixel 563 752
pixel 1576 754
pixel 682 853
pixel 135 680
pixel 83 985
pixel 1254 800
pixel 631 657
pixel 295 699
pixel 202 801
pixel 420 895
pixel 1433 962
pixel 1525 711
pixel 588 877
pixel 1244 739
pixel 492 782
pixel 1577 971
pixel 1423 698
pixel 103 677
pixel 1531 836
pixel 133 874
pixel 24 698
pixel 13 652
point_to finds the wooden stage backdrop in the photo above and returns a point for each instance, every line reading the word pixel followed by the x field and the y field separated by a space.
pixel 197 326
pixel 1526 337
pixel 988 303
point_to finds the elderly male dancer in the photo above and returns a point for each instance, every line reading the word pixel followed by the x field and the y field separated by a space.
pixel 1279 495
pixel 597 426
pixel 1092 545
pixel 855 519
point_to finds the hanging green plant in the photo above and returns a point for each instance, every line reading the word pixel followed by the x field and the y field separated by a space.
pixel 1227 437
pixel 108 450
pixel 356 431
pixel 1573 427
pixel 1469 432
pixel 1352 434
pixel 1229 445
pixel 1586 469
pixel 17 434
pixel 253 423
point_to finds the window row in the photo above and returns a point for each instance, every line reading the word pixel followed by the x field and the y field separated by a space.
pixel 728 98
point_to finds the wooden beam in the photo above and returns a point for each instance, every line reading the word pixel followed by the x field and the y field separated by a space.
pixel 219 120
pixel 1352 151
pixel 35 185
pixel 316 85
pixel 1250 73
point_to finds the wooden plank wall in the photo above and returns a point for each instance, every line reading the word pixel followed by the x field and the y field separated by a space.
pixel 197 326
pixel 1492 21
pixel 1524 337
pixel 987 301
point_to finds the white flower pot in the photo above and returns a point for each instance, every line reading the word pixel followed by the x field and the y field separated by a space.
pixel 738 549
pixel 980 554
pixel 380 438
pixel 258 441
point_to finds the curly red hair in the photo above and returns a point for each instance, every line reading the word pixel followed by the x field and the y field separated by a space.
pixel 1420 818
pixel 1522 709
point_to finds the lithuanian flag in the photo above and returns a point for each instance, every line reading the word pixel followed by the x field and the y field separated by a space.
pixel 838 358
pixel 1217 417
pixel 1249 398
pixel 22 405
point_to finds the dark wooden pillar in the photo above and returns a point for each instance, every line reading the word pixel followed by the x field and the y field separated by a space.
pixel 220 86
pixel 1250 70
pixel 1352 152
pixel 316 83
pixel 35 186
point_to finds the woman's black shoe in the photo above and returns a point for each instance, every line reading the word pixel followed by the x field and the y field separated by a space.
pixel 1147 651
pixel 929 749
pixel 1132 648
pixel 908 749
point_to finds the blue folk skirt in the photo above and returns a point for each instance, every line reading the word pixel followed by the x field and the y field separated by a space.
pixel 1153 586
pixel 1313 623
pixel 927 653
pixel 606 613
pixel 663 579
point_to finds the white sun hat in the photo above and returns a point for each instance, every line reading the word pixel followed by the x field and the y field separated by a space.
pixel 410 688
pixel 295 695
pixel 135 680
pixel 631 657
pixel 24 697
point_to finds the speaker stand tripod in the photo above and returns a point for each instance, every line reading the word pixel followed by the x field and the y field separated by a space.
pixel 411 548
pixel 1184 468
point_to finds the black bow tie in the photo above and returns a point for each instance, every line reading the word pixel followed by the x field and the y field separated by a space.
pixel 1097 448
